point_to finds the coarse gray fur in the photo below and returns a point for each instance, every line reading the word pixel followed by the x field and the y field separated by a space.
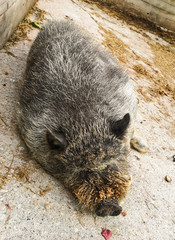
pixel 73 93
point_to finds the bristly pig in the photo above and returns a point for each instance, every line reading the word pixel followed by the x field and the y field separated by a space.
pixel 76 113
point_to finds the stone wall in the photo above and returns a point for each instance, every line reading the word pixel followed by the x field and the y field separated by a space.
pixel 11 13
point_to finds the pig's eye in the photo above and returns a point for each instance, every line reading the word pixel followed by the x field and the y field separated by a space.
pixel 119 127
pixel 56 140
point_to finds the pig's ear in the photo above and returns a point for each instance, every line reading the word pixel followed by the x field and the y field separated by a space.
pixel 119 127
pixel 56 140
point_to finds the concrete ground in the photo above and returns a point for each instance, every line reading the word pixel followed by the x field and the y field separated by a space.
pixel 34 205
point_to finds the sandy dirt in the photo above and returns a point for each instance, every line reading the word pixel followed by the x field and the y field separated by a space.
pixel 34 205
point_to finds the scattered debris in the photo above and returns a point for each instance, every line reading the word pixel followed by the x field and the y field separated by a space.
pixel 110 8
pixel 31 190
pixel 137 158
pixel 22 30
pixel 10 53
pixel 5 178
pixel 7 220
pixel 44 191
pixel 124 214
pixel 34 24
pixel 47 206
pixel 164 77
pixel 162 92
pixel 174 158
pixel 106 233
pixel 168 179
pixel 8 206
pixel 1 117
pixel 163 74
pixel 139 68
pixel 41 193
pixel 22 173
